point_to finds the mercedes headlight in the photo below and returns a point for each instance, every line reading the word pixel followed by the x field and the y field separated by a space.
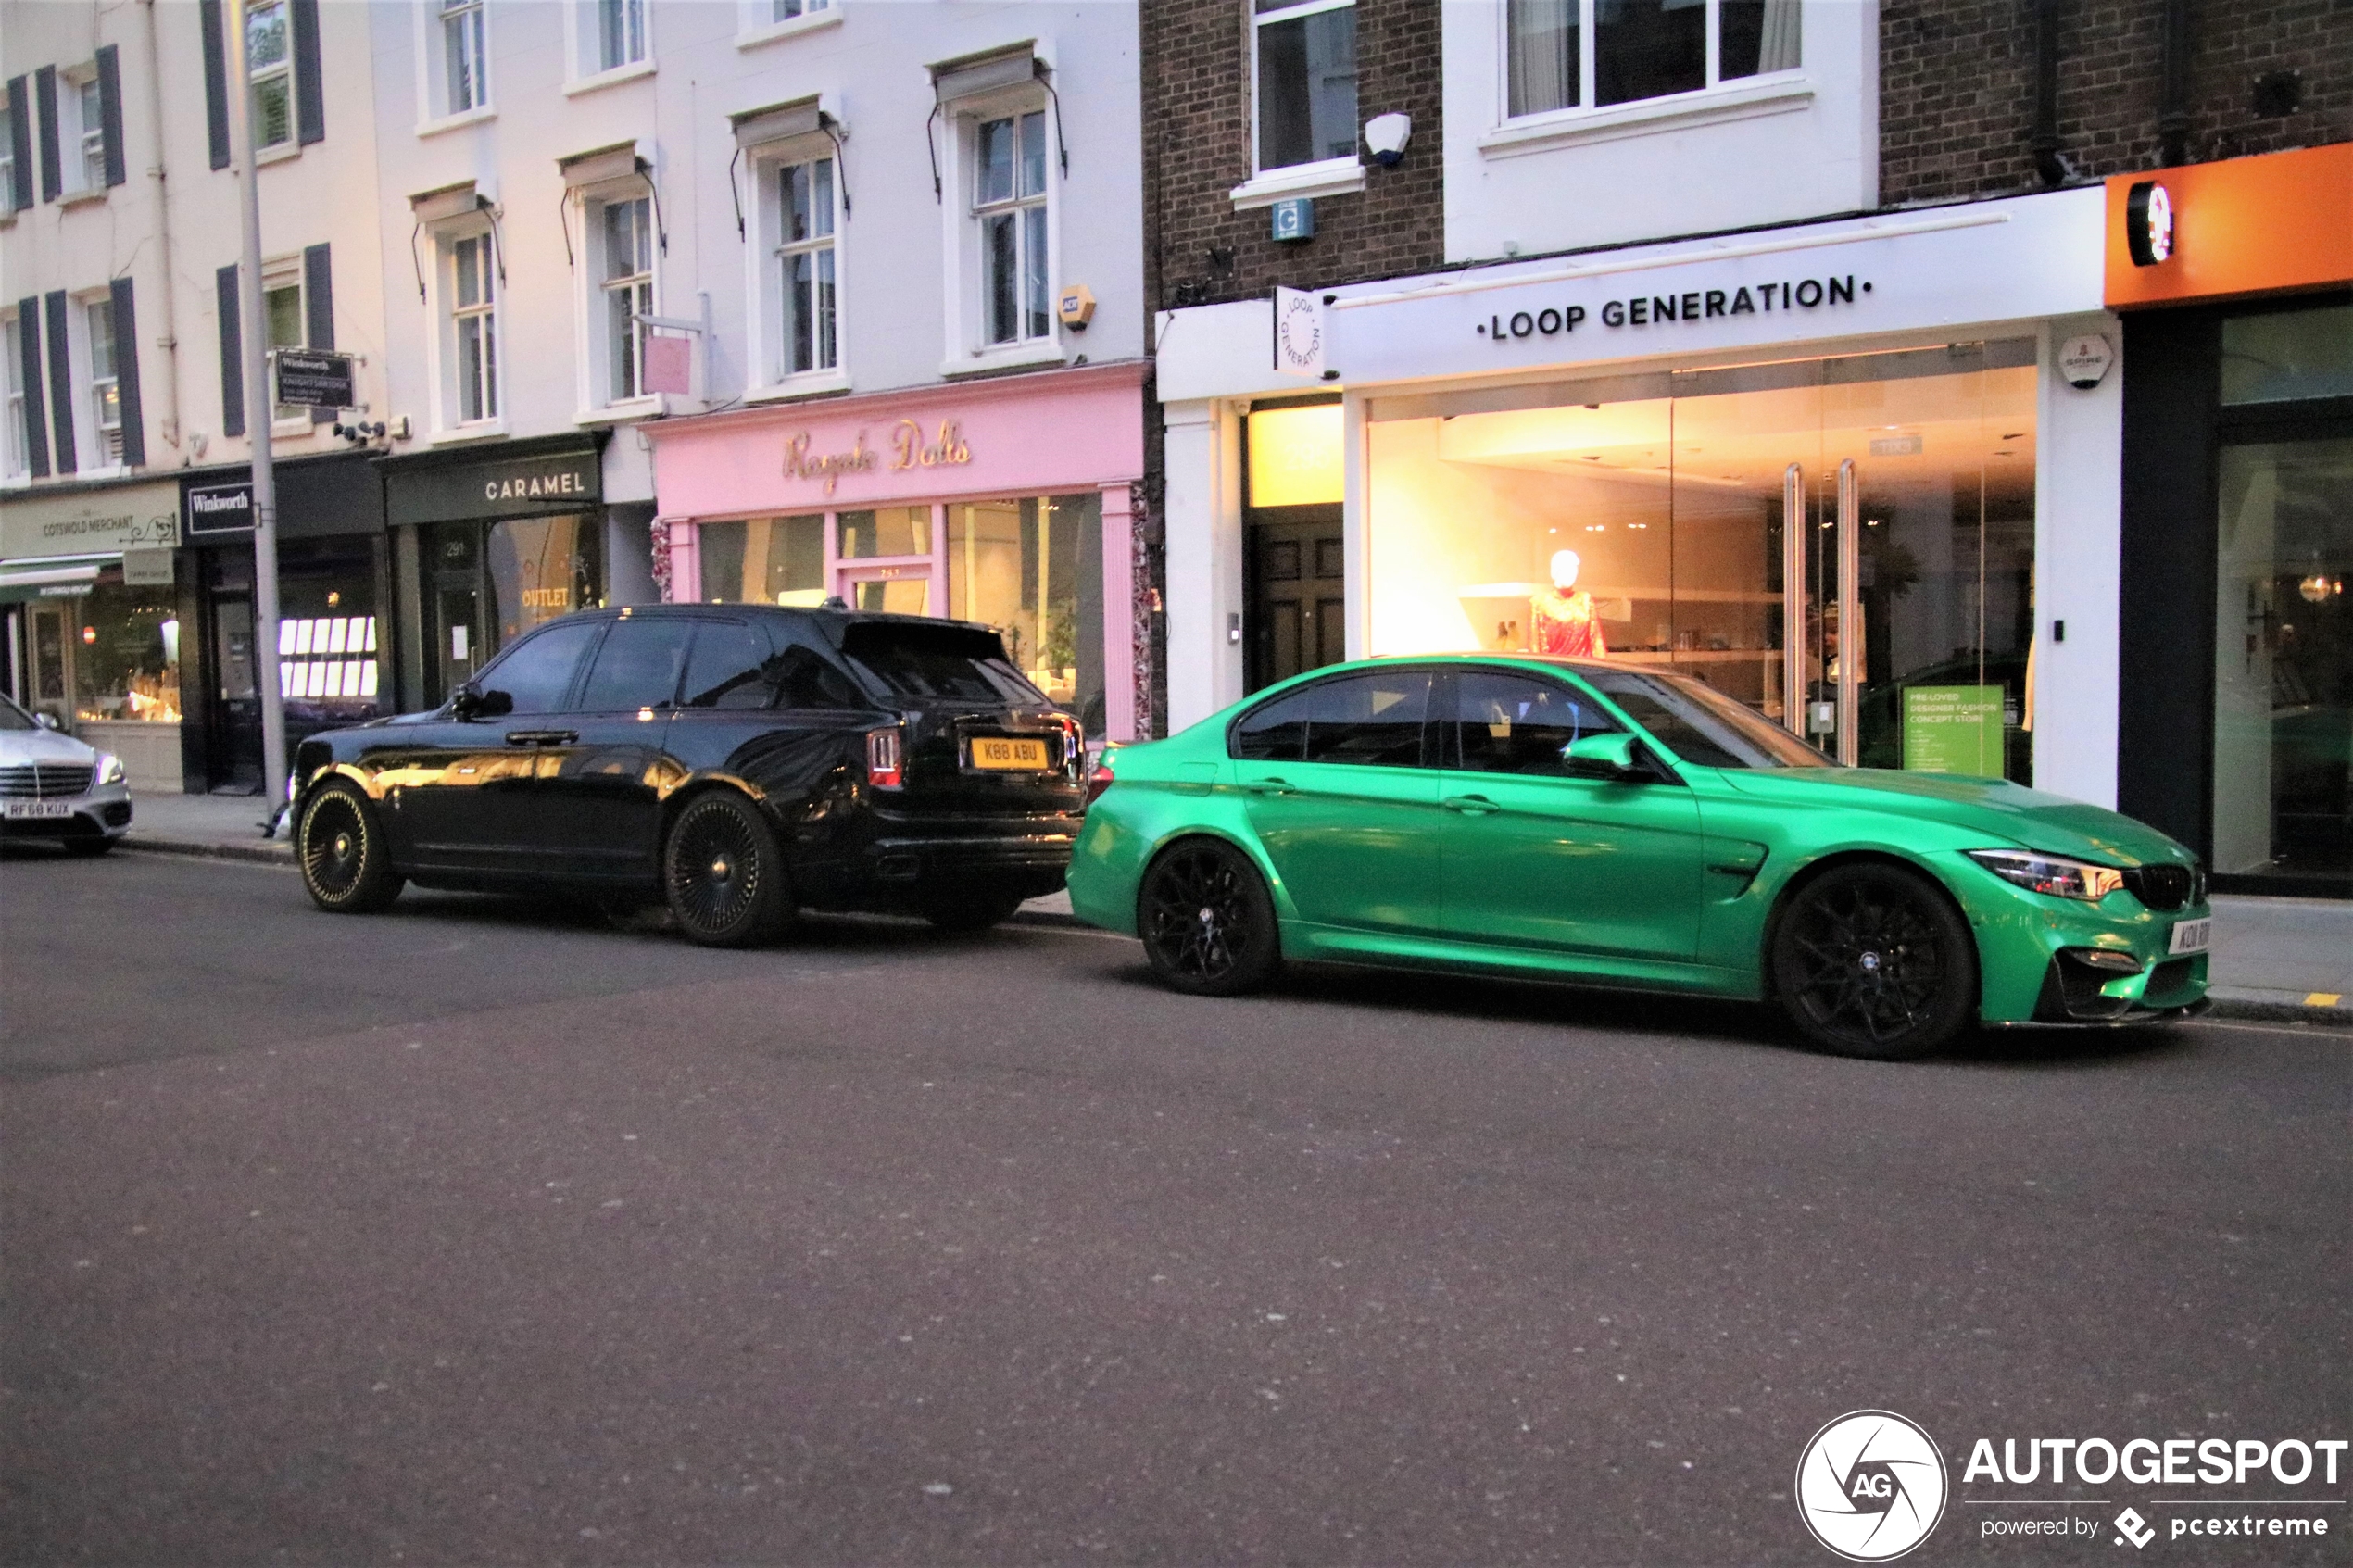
pixel 109 768
pixel 2054 874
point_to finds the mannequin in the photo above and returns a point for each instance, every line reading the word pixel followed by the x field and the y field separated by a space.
pixel 1562 622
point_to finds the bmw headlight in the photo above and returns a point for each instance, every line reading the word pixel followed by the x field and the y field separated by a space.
pixel 2054 874
pixel 109 768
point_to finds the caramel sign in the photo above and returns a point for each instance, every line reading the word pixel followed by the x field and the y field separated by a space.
pixel 910 447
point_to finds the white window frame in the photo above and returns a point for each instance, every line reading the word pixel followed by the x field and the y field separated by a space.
pixel 81 145
pixel 8 165
pixel 435 103
pixel 597 400
pixel 763 22
pixel 16 439
pixel 967 315
pixel 586 70
pixel 287 420
pixel 1323 177
pixel 281 72
pixel 1738 98
pixel 92 457
pixel 770 375
pixel 96 387
pixel 447 362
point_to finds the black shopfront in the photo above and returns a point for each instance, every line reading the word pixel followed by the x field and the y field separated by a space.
pixel 487 542
pixel 335 654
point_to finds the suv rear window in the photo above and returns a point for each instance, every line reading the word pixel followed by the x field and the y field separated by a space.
pixel 914 660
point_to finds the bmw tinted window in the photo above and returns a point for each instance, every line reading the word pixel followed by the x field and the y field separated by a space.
pixel 1370 719
pixel 537 672
pixel 1501 723
pixel 1701 724
pixel 638 667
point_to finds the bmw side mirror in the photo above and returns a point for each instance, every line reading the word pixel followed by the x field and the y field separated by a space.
pixel 1611 756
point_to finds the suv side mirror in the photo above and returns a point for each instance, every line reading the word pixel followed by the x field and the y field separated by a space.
pixel 470 701
pixel 1610 755
pixel 47 720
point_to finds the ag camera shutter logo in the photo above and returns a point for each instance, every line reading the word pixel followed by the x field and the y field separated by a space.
pixel 1872 1486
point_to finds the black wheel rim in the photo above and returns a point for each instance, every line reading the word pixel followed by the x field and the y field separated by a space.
pixel 1197 914
pixel 1868 963
pixel 714 869
pixel 334 846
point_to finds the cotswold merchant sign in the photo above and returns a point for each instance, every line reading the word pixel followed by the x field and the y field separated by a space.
pixel 90 523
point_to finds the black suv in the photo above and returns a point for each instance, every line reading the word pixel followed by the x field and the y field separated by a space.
pixel 741 761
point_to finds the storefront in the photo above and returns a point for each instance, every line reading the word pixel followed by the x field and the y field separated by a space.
pixel 1836 471
pixel 487 542
pixel 92 611
pixel 2234 281
pixel 335 650
pixel 1009 503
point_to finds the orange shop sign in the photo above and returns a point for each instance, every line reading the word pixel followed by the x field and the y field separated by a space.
pixel 2273 224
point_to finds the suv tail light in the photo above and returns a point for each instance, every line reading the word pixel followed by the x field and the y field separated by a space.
pixel 1073 745
pixel 886 764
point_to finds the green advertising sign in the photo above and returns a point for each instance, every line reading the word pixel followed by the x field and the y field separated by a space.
pixel 1954 730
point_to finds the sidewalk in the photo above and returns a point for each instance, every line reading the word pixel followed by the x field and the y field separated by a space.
pixel 2274 958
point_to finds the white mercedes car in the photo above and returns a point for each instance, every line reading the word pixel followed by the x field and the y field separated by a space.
pixel 52 786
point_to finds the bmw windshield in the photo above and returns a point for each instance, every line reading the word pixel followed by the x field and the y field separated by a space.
pixel 1699 723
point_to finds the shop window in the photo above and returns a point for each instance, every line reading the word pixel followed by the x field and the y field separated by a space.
pixel 331 640
pixel 2288 354
pixel 1009 205
pixel 330 657
pixel 541 568
pixel 1032 568
pixel 1305 82
pixel 105 385
pixel 1639 48
pixel 776 560
pixel 127 665
pixel 887 531
pixel 270 53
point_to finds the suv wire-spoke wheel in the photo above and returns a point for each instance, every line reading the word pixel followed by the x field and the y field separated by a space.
pixel 723 874
pixel 1207 922
pixel 1872 960
pixel 339 846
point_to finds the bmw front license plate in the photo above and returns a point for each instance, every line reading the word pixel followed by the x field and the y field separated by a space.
pixel 1009 756
pixel 14 809
pixel 2191 937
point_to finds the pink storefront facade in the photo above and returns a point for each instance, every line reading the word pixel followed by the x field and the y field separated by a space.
pixel 1013 502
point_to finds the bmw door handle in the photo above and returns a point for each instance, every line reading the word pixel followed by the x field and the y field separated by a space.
pixel 1272 786
pixel 542 738
pixel 1470 804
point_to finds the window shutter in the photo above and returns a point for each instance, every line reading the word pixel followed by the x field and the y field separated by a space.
pixel 233 364
pixel 311 94
pixel 319 309
pixel 111 113
pixel 216 81
pixel 44 89
pixel 36 410
pixel 60 383
pixel 126 373
pixel 20 139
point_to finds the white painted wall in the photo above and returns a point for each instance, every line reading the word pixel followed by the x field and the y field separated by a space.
pixel 1204 559
pixel 2078 520
pixel 1775 149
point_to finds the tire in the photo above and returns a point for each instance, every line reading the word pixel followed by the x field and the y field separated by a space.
pixel 724 875
pixel 1874 961
pixel 1207 921
pixel 969 910
pixel 88 848
pixel 340 850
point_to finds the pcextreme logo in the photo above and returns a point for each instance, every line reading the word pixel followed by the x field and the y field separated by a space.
pixel 1872 1486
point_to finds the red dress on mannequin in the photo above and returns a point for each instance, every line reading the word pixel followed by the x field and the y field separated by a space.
pixel 1564 623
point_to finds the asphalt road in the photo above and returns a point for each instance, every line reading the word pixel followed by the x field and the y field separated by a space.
pixel 481 1232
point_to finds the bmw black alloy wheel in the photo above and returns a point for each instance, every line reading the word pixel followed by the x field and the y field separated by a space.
pixel 1208 925
pixel 1868 962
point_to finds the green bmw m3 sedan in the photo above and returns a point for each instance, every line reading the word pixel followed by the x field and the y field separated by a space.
pixel 1623 825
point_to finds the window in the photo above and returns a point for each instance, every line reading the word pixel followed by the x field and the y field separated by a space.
pixel 9 202
pixel 1009 202
pixel 1499 723
pixel 638 667
pixel 91 121
pixel 271 57
pixel 1701 724
pixel 805 259
pixel 465 57
pixel 789 10
pixel 1372 720
pixel 935 661
pixel 1307 86
pixel 1032 568
pixel 282 309
pixel 475 322
pixel 17 453
pixel 106 392
pixel 537 673
pixel 621 34
pixel 629 294
pixel 1640 48
pixel 732 668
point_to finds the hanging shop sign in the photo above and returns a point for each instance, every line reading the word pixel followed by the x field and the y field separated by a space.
pixel 89 521
pixel 314 379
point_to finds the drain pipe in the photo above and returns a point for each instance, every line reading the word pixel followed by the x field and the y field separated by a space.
pixel 2173 110
pixel 169 340
pixel 2052 165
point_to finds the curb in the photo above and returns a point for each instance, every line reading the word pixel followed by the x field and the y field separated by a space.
pixel 1047 917
pixel 268 852
pixel 2258 1008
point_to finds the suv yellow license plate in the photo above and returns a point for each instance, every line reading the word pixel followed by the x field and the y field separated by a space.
pixel 1009 755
